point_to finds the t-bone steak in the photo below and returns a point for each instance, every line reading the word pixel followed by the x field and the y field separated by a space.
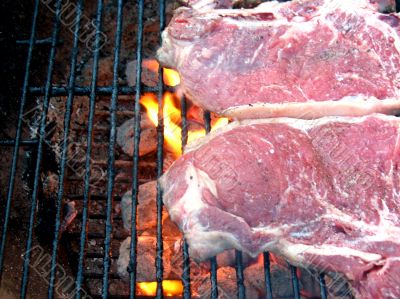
pixel 302 59
pixel 323 193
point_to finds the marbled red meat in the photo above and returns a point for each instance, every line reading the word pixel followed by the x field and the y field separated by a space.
pixel 322 193
pixel 302 59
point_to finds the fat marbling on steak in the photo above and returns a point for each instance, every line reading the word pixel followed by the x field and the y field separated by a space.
pixel 323 193
pixel 302 59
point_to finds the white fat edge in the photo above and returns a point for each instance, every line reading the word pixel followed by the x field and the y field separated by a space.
pixel 202 5
pixel 257 52
pixel 191 203
pixel 254 24
pixel 278 231
pixel 296 25
pixel 230 15
pixel 214 242
pixel 298 87
pixel 353 6
pixel 269 7
pixel 273 230
pixel 356 101
pixel 273 6
pixel 384 231
pixel 301 124
pixel 297 251
pixel 184 48
pixel 397 144
pixel 184 53
pixel 387 219
pixel 304 27
pixel 171 47
pixel 302 234
pixel 165 54
pixel 391 175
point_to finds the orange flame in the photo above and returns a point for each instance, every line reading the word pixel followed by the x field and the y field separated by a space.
pixel 170 76
pixel 171 117
pixel 170 288
pixel 171 113
pixel 219 123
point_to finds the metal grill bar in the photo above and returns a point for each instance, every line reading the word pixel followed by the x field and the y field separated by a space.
pixel 241 291
pixel 32 142
pixel 160 163
pixel 86 91
pixel 111 150
pixel 322 286
pixel 213 261
pixel 186 271
pixel 42 130
pixel 184 137
pixel 64 154
pixel 17 140
pixel 207 121
pixel 267 276
pixel 186 258
pixel 46 41
pixel 213 276
pixel 93 95
pixel 160 166
pixel 135 177
pixel 295 281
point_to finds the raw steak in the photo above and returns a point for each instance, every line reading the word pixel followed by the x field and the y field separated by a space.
pixel 322 193
pixel 302 59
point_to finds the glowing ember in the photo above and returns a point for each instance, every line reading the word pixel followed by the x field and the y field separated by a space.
pixel 170 288
pixel 260 259
pixel 151 64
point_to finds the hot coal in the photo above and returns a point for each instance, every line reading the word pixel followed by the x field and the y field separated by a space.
pixel 149 74
pixel 146 270
pixel 147 209
pixel 148 136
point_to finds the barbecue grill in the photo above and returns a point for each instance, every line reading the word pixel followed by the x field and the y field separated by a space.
pixel 91 92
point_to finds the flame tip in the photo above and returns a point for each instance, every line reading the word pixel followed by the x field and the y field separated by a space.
pixel 170 288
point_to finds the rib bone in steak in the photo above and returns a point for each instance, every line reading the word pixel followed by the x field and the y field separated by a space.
pixel 322 193
pixel 302 59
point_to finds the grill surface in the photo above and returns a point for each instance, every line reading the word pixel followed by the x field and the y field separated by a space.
pixel 70 91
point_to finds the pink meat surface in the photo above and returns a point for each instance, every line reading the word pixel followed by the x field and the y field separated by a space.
pixel 302 59
pixel 323 193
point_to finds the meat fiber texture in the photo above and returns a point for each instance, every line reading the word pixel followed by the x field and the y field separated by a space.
pixel 302 59
pixel 323 193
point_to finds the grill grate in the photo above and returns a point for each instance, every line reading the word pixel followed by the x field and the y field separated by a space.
pixel 93 91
